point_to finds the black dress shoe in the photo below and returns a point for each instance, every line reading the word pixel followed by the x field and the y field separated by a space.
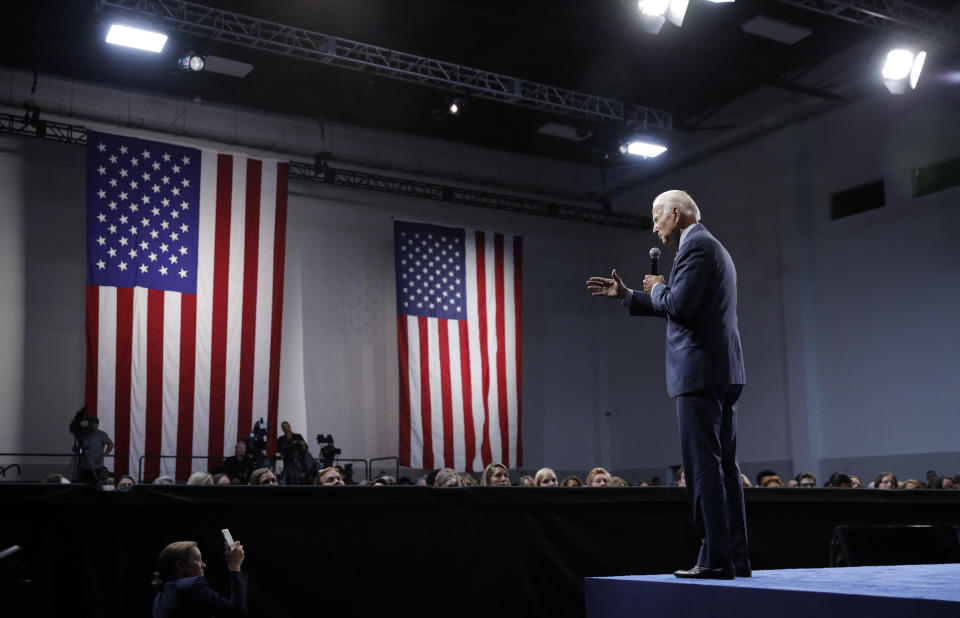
pixel 702 572
pixel 743 572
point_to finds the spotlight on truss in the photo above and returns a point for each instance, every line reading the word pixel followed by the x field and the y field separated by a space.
pixel 642 148
pixel 137 38
pixel 902 67
pixel 191 62
pixel 654 13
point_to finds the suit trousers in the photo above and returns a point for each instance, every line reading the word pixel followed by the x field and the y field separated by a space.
pixel 708 444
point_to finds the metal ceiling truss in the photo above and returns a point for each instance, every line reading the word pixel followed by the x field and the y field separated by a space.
pixel 77 134
pixel 304 44
pixel 892 16
pixel 468 197
pixel 47 129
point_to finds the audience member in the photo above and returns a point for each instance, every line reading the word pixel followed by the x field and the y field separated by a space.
pixel 384 479
pixel 598 477
pixel 107 485
pixel 526 481
pixel 330 477
pixel 164 479
pixel 221 479
pixel 682 477
pixel 182 590
pixel 886 480
pixel 771 480
pixel 56 479
pixel 447 477
pixel 545 477
pixel 943 482
pixel 746 481
pixel 263 476
pixel 240 465
pixel 913 484
pixel 855 482
pixel 467 480
pixel 839 480
pixel 931 477
pixel 200 478
pixel 571 481
pixel 495 474
pixel 806 479
pixel 763 474
pixel 618 481
pixel 125 481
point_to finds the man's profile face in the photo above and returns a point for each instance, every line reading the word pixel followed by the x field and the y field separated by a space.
pixel 240 450
pixel 665 225
pixel 285 427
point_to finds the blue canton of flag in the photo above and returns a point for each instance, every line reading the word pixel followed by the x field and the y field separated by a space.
pixel 430 271
pixel 142 213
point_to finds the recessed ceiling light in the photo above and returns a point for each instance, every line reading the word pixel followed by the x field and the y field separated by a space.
pixel 136 38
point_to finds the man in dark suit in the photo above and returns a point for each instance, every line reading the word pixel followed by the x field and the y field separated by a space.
pixel 704 367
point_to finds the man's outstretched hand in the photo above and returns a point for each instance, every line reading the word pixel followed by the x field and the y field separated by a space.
pixel 611 288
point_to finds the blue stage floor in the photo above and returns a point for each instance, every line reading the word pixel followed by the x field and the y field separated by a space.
pixel 912 591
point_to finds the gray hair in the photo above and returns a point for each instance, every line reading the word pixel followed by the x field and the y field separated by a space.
pixel 447 477
pixel 675 198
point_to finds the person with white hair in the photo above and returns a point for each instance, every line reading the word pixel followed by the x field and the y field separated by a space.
pixel 705 375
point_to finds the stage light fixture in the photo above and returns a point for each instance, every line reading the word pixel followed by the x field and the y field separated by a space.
pixel 642 148
pixel 916 68
pixel 455 106
pixel 137 38
pixel 654 13
pixel 191 62
pixel 901 67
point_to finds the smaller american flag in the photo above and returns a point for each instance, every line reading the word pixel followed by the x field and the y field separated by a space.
pixel 458 335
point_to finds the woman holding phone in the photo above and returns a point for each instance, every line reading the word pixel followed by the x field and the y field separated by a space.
pixel 182 590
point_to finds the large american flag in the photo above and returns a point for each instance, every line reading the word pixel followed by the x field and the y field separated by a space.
pixel 458 333
pixel 185 254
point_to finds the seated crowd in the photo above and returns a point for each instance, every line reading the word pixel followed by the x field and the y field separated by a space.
pixel 497 475
pixel 294 465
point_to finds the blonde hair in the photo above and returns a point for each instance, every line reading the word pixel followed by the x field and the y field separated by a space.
pixel 597 471
pixel 542 475
pixel 167 569
pixel 200 478
pixel 319 478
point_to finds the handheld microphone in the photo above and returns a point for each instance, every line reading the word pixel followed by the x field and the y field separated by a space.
pixel 654 261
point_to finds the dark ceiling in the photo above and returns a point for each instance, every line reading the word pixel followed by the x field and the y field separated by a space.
pixel 594 46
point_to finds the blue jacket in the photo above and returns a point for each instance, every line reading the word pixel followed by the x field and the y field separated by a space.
pixel 700 304
pixel 192 597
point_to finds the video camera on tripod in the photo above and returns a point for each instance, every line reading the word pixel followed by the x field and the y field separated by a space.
pixel 257 442
pixel 328 452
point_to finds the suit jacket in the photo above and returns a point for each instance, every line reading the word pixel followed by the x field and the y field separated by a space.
pixel 700 304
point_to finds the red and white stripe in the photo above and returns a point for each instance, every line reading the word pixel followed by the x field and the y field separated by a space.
pixel 460 379
pixel 189 374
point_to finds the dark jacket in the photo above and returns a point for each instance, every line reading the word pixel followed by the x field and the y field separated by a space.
pixel 192 597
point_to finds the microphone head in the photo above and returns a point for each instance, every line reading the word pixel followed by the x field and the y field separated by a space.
pixel 655 253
